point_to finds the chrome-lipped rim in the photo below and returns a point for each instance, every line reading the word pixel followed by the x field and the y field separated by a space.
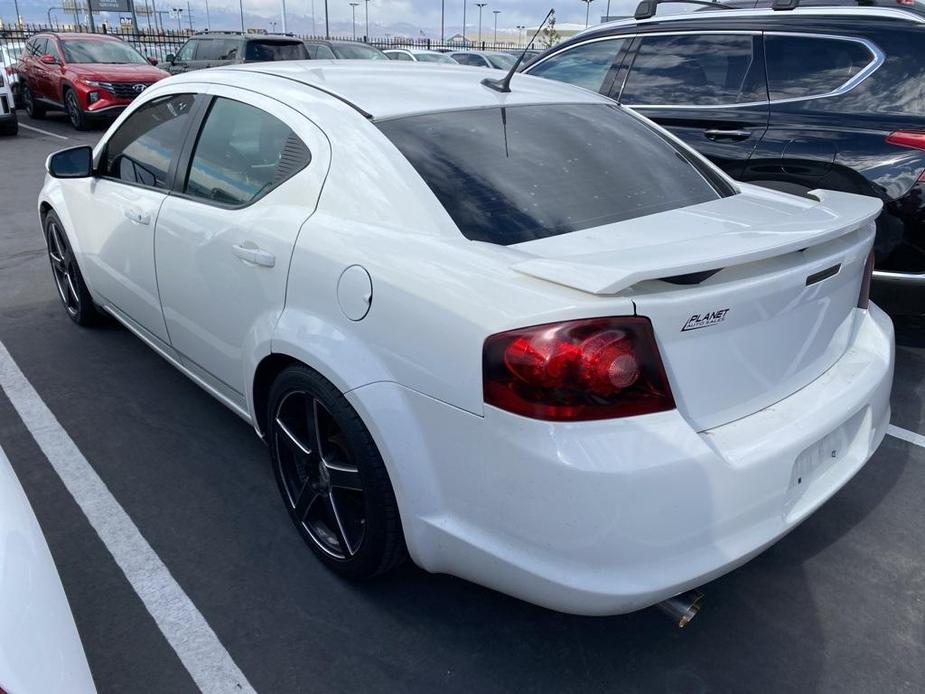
pixel 321 483
pixel 63 268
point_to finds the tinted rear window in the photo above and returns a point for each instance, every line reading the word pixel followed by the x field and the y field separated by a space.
pixel 507 175
pixel 801 66
pixel 275 50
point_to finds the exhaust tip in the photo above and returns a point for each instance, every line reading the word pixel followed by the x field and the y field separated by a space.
pixel 682 608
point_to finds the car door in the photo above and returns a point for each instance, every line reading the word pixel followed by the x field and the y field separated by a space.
pixel 114 213
pixel 224 239
pixel 49 83
pixel 707 88
pixel 36 77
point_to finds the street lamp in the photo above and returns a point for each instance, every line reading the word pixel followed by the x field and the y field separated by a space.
pixel 480 5
pixel 353 7
pixel 608 10
pixel 520 28
pixel 16 5
pixel 464 23
pixel 179 11
pixel 327 27
pixel 367 19
pixel 587 11
pixel 497 12
pixel 442 15
pixel 241 8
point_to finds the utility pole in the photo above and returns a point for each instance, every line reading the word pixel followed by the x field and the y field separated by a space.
pixel 353 8
pixel 497 12
pixel 480 5
pixel 367 20
pixel 587 11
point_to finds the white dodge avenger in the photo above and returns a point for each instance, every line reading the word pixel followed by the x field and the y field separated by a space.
pixel 525 337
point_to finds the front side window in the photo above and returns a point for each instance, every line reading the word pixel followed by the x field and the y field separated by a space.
pixel 802 66
pixel 695 70
pixel 260 51
pixel 242 153
pixel 111 51
pixel 514 174
pixel 501 61
pixel 585 65
pixel 186 52
pixel 141 150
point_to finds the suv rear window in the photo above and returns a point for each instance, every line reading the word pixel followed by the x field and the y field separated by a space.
pixel 275 50
pixel 802 66
pixel 507 175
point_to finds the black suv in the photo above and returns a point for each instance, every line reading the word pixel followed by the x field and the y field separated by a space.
pixel 815 97
pixel 214 49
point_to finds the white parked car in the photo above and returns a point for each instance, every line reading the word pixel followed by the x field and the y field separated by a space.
pixel 40 650
pixel 9 123
pixel 529 336
pixel 418 55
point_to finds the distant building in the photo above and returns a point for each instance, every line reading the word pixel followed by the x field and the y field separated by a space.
pixel 459 39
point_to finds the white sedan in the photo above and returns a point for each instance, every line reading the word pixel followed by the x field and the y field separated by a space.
pixel 40 650
pixel 526 337
pixel 418 55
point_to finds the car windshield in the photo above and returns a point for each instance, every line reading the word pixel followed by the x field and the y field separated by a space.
pixel 514 174
pixel 434 58
pixel 275 50
pixel 358 51
pixel 100 51
pixel 502 61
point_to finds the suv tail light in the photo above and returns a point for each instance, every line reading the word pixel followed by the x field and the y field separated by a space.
pixel 595 368
pixel 908 138
pixel 864 296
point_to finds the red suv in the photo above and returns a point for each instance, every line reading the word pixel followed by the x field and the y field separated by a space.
pixel 87 76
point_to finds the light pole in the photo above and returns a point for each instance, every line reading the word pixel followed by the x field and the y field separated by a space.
pixel 442 14
pixel 241 8
pixel 327 29
pixel 353 7
pixel 480 5
pixel 587 11
pixel 520 28
pixel 367 19
pixel 16 5
pixel 208 16
pixel 608 10
pixel 179 11
pixel 497 12
pixel 464 23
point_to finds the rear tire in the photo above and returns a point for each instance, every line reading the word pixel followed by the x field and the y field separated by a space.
pixel 33 108
pixel 331 476
pixel 10 127
pixel 72 290
pixel 75 113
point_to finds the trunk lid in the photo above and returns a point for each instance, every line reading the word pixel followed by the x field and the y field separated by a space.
pixel 751 297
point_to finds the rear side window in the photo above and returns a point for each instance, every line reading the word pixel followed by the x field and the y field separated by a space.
pixel 585 65
pixel 398 55
pixel 507 175
pixel 259 51
pixel 218 49
pixel 803 66
pixel 696 70
pixel 141 150
pixel 242 153
pixel 357 51
pixel 469 59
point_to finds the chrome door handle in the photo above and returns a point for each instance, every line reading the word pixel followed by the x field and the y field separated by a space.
pixel 137 216
pixel 727 134
pixel 248 252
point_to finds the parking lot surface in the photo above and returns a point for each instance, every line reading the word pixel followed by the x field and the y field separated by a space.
pixel 837 606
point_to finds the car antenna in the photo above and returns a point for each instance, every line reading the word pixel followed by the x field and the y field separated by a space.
pixel 504 84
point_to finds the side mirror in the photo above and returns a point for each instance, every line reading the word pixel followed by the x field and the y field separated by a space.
pixel 76 162
pixel 49 59
pixel 152 60
pixel 170 57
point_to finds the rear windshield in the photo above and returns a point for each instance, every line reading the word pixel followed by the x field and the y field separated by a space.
pixel 275 50
pixel 358 51
pixel 507 175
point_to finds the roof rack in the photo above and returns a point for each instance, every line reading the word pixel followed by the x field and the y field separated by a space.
pixel 647 8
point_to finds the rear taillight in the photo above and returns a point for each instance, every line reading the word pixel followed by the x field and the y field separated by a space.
pixel 908 138
pixel 864 296
pixel 595 368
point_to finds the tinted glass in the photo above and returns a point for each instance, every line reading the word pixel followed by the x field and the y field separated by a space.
pixel 697 70
pixel 507 175
pixel 586 65
pixel 358 51
pixel 38 47
pixel 242 153
pixel 434 58
pixel 319 52
pixel 186 52
pixel 469 59
pixel 141 150
pixel 218 49
pixel 275 50
pixel 806 66
pixel 100 51
pixel 502 61
pixel 398 55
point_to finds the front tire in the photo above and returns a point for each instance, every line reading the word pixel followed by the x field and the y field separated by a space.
pixel 331 476
pixel 75 113
pixel 69 282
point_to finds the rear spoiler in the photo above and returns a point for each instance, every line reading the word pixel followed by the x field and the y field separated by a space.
pixel 613 271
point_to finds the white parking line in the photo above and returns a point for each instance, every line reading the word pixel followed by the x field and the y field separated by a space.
pixel 44 132
pixel 184 627
pixel 906 435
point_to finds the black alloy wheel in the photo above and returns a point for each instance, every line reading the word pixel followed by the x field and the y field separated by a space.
pixel 68 281
pixel 331 476
pixel 33 108
pixel 74 113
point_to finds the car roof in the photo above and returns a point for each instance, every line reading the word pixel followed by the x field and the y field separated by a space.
pixel 390 89
pixel 245 37
pixel 731 15
pixel 77 35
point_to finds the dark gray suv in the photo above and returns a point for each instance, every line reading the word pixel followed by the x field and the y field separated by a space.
pixel 214 49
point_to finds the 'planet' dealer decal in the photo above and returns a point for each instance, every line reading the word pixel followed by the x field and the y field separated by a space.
pixel 705 320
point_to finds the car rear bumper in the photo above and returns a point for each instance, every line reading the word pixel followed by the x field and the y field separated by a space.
pixel 611 516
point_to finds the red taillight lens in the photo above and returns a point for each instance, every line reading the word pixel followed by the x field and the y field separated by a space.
pixel 864 296
pixel 907 138
pixel 596 368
